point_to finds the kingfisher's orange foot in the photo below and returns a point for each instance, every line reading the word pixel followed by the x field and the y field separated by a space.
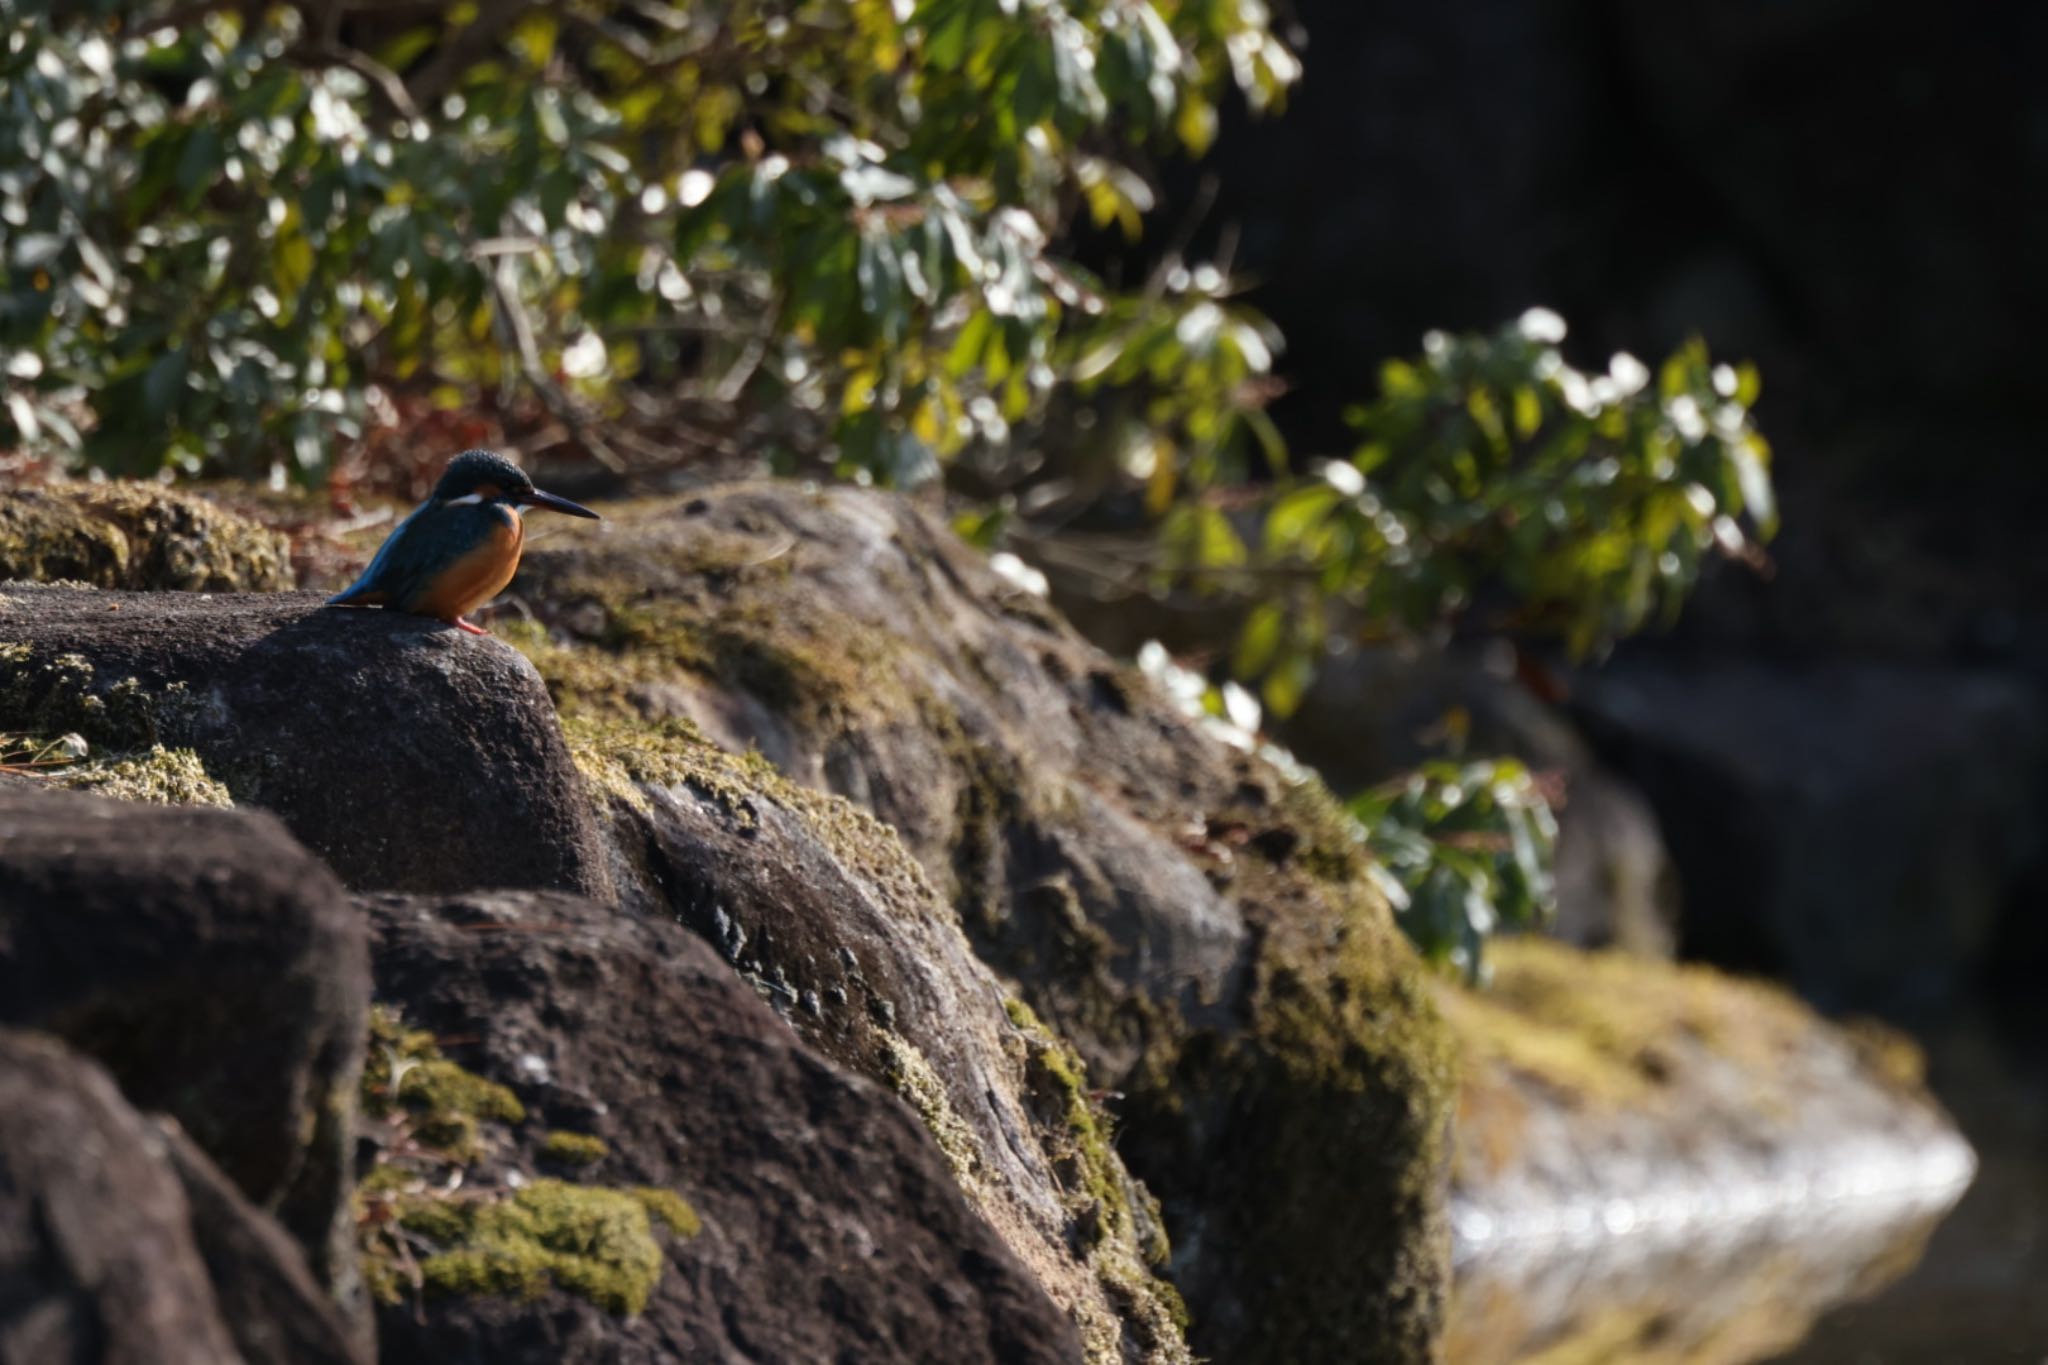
pixel 461 624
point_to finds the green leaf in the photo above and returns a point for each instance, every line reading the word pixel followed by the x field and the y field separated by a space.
pixel 1259 640
pixel 1297 513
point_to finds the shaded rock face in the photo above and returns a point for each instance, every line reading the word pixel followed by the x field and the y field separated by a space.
pixel 215 969
pixel 831 1225
pixel 1858 830
pixel 1198 926
pixel 408 755
pixel 104 1256
pixel 135 535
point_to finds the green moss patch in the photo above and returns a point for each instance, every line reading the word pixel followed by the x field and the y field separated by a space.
pixel 592 1242
pixel 423 1230
pixel 173 777
pixel 574 1149
pixel 1115 1221
pixel 1607 1029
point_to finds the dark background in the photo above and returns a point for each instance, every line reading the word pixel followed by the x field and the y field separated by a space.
pixel 1847 756
pixel 1849 194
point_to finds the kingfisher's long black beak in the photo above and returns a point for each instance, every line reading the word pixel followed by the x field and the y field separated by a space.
pixel 575 509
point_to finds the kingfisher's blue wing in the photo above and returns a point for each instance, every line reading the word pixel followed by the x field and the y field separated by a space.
pixel 424 544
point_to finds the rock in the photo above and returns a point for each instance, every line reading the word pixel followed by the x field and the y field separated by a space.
pixel 1200 927
pixel 1658 1161
pixel 273 1308
pixel 810 898
pixel 136 535
pixel 406 754
pixel 1816 814
pixel 96 1251
pixel 215 969
pixel 828 1222
pixel 105 1256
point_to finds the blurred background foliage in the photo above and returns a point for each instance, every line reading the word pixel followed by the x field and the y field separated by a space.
pixel 831 237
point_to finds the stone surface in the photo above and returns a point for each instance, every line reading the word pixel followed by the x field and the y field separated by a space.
pixel 273 1308
pixel 96 1255
pixel 120 1242
pixel 831 1224
pixel 824 912
pixel 408 755
pixel 215 969
pixel 1199 926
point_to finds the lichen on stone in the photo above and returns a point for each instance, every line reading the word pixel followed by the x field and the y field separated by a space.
pixel 910 1075
pixel 46 693
pixel 46 698
pixel 172 777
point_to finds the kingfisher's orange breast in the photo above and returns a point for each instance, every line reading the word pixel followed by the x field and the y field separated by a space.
pixel 478 576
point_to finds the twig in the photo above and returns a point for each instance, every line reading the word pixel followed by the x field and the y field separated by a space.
pixel 511 314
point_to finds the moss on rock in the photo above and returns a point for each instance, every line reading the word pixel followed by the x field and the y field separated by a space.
pixel 521 1237
pixel 574 1149
pixel 137 535
pixel 1289 1094
pixel 1600 1029
pixel 595 1243
pixel 47 700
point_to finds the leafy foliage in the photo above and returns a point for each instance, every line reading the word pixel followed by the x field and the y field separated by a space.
pixel 823 224
pixel 1498 488
pixel 834 234
pixel 1466 849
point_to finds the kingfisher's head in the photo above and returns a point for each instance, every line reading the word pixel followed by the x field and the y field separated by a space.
pixel 477 476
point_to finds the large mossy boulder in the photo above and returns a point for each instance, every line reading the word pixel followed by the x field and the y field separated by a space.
pixel 216 970
pixel 1665 1162
pixel 136 535
pixel 819 907
pixel 621 1077
pixel 120 1242
pixel 406 754
pixel 1200 925
pixel 412 755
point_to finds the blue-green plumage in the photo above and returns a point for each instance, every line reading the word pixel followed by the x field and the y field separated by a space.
pixel 459 547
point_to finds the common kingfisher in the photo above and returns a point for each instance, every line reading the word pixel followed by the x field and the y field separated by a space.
pixel 460 547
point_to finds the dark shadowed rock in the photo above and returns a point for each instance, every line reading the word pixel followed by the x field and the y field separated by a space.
pixel 121 1242
pixel 830 1224
pixel 215 969
pixel 273 1308
pixel 407 754
pixel 97 1262
pixel 1202 928
pixel 1857 830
